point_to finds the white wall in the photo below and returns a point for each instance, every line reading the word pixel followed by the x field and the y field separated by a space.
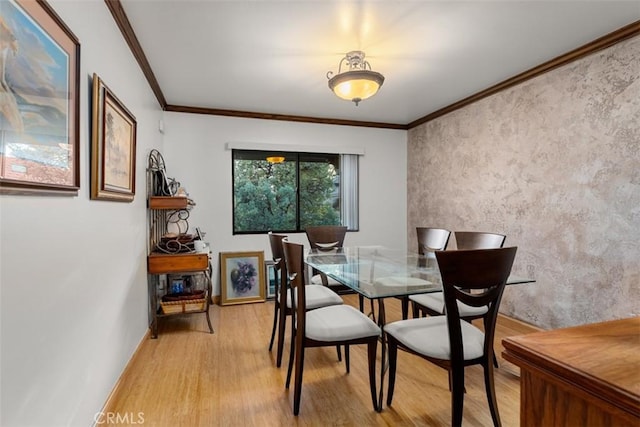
pixel 73 271
pixel 195 154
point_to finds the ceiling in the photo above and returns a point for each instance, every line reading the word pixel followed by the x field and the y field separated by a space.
pixel 272 57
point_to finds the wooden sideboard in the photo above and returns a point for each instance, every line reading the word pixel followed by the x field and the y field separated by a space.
pixel 582 376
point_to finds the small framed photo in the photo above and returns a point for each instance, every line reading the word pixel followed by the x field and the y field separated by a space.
pixel 270 275
pixel 242 277
pixel 113 147
pixel 177 285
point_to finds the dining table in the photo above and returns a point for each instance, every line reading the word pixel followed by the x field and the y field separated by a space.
pixel 377 273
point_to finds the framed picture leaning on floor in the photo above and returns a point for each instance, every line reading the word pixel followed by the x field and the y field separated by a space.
pixel 242 277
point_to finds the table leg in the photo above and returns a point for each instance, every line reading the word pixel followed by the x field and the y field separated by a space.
pixel 383 356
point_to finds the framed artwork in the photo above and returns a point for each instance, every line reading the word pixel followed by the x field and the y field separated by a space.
pixel 113 147
pixel 270 275
pixel 242 277
pixel 40 122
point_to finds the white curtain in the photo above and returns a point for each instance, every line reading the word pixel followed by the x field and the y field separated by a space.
pixel 349 190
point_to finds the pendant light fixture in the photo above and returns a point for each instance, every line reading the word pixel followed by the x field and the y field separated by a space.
pixel 275 159
pixel 359 82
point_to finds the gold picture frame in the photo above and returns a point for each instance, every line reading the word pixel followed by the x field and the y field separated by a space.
pixel 242 277
pixel 40 130
pixel 113 147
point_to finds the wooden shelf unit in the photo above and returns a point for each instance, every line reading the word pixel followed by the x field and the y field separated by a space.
pixel 192 264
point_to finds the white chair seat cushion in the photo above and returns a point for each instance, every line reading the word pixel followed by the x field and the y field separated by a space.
pixel 339 323
pixel 317 280
pixel 318 296
pixel 430 336
pixel 435 302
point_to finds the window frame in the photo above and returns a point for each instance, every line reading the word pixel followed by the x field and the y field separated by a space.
pixel 334 158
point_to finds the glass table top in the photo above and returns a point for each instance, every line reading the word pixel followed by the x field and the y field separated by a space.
pixel 379 272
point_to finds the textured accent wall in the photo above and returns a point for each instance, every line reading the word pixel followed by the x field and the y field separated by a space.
pixel 554 164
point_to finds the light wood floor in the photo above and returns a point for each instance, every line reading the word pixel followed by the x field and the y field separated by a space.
pixel 188 377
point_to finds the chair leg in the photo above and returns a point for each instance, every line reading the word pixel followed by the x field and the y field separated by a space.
pixel 491 393
pixel 457 396
pixel 291 355
pixel 393 359
pixel 282 326
pixel 405 308
pixel 275 324
pixel 339 353
pixel 451 383
pixel 361 303
pixel 372 348
pixel 297 388
pixel 415 311
pixel 346 358
pixel 495 359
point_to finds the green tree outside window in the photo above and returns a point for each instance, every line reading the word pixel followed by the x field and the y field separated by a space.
pixel 265 196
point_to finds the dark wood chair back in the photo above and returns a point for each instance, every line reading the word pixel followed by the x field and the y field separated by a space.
pixel 432 239
pixel 479 240
pixel 294 264
pixel 476 278
pixel 280 293
pixel 429 241
pixel 326 237
pixel 277 253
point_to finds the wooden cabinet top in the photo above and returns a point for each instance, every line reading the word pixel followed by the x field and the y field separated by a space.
pixel 168 202
pixel 602 359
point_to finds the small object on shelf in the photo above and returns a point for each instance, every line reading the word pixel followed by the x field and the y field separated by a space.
pixel 172 243
pixel 183 296
pixel 201 246
pixel 182 238
pixel 177 286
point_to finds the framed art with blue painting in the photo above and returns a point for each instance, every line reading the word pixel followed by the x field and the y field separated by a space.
pixel 242 277
pixel 39 101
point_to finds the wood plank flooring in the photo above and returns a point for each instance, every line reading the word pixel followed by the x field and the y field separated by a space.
pixel 188 377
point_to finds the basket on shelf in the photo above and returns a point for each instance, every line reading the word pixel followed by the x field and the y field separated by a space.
pixel 183 302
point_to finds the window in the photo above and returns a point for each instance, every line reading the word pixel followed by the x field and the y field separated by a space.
pixel 293 191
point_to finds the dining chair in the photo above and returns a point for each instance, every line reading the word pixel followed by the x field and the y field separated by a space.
pixel 433 303
pixel 429 241
pixel 476 278
pixel 325 238
pixel 325 326
pixel 318 296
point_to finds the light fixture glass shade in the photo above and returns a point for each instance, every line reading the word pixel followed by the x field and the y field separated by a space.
pixel 275 159
pixel 356 85
pixel 359 82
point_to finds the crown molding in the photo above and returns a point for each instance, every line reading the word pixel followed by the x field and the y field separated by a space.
pixel 604 42
pixel 129 35
pixel 283 117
